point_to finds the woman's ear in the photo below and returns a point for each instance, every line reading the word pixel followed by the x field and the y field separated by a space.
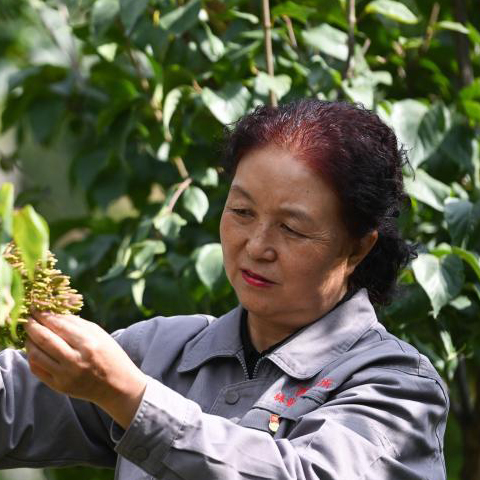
pixel 361 249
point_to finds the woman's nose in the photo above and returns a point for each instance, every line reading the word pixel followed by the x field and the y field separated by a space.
pixel 260 245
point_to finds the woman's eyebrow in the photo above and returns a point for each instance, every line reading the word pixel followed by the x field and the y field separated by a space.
pixel 238 189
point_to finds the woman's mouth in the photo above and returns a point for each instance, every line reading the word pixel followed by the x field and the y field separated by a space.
pixel 256 280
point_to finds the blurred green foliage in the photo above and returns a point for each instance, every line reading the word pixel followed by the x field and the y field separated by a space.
pixel 130 100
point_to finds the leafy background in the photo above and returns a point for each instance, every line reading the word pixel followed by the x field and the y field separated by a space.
pixel 112 111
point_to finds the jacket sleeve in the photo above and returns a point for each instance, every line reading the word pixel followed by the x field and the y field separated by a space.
pixel 389 428
pixel 40 427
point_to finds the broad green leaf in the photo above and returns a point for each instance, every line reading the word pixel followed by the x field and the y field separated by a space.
pixel 30 232
pixel 196 202
pixel 405 118
pixel 458 217
pixel 472 108
pixel 182 18
pixel 228 104
pixel 454 26
pixel 144 252
pixel 103 16
pixel 441 278
pixel 108 51
pixel 138 289
pixel 427 189
pixel 124 253
pixel 472 91
pixel 169 224
pixel 209 264
pixel 391 9
pixel 469 257
pixel 328 40
pixel 280 84
pixel 6 212
pixel 293 10
pixel 131 11
pixel 171 101
pixel 211 45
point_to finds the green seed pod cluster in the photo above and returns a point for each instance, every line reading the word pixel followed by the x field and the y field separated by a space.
pixel 49 290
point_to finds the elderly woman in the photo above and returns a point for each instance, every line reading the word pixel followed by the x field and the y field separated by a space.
pixel 300 381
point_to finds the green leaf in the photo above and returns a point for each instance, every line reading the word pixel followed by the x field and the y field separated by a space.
pixel 131 11
pixel 245 16
pixel 103 16
pixel 30 232
pixel 454 26
pixel 280 84
pixel 171 101
pixel 6 212
pixel 144 252
pixel 228 104
pixel 458 217
pixel 209 264
pixel 292 10
pixel 138 289
pixel 328 40
pixel 469 257
pixel 182 18
pixel 472 109
pixel 196 202
pixel 394 10
pixel 405 118
pixel 427 189
pixel 169 224
pixel 441 278
pixel 211 45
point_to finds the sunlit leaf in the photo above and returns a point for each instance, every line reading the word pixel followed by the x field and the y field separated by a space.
pixel 169 224
pixel 453 26
pixel 31 235
pixel 441 278
pixel 228 104
pixel 182 18
pixel 280 84
pixel 209 264
pixel 427 189
pixel 391 9
pixel 327 39
pixel 6 212
pixel 196 202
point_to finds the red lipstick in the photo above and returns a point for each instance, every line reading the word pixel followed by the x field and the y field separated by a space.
pixel 255 280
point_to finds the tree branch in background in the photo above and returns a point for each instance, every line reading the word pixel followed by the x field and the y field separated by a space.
pixel 178 193
pixel 462 45
pixel 291 33
pixel 430 28
pixel 352 22
pixel 267 25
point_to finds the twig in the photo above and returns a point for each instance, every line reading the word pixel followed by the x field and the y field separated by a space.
pixel 462 45
pixel 178 193
pixel 430 28
pixel 267 25
pixel 182 169
pixel 352 21
pixel 291 33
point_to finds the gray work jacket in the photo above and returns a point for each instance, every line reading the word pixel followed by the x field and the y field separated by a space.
pixel 342 399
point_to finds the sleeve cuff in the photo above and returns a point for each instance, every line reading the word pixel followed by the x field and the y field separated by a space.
pixel 158 421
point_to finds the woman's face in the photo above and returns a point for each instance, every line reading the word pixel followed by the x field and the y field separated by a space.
pixel 286 251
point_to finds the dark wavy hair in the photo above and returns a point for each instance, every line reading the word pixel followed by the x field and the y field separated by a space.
pixel 353 150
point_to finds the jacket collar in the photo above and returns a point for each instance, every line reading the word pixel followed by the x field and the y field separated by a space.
pixel 304 354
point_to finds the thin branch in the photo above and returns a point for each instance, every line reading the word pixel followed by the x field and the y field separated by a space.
pixel 178 193
pixel 267 25
pixel 182 169
pixel 463 45
pixel 352 22
pixel 430 28
pixel 291 33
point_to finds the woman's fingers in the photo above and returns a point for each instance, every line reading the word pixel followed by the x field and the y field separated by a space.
pixel 48 343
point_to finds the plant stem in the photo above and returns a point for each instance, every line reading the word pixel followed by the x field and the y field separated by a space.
pixel 267 26
pixel 352 22
pixel 462 45
pixel 291 32
pixel 430 28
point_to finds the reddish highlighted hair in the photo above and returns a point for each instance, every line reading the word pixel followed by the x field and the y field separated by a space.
pixel 353 150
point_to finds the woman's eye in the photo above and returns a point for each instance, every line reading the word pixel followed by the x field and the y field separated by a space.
pixel 292 231
pixel 242 212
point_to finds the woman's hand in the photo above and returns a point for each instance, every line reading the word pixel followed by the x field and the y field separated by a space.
pixel 79 358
